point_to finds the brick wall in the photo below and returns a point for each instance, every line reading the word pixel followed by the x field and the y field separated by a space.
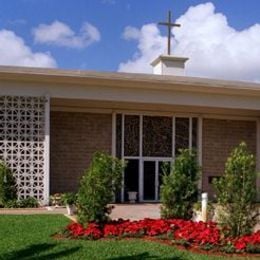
pixel 74 139
pixel 219 138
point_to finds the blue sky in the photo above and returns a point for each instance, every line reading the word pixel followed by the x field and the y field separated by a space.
pixel 110 46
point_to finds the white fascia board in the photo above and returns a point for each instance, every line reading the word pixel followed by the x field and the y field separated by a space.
pixel 133 95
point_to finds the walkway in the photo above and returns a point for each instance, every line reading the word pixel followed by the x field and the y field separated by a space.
pixel 136 211
pixel 125 211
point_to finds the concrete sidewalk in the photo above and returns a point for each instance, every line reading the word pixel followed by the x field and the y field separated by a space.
pixel 33 211
pixel 136 211
pixel 125 211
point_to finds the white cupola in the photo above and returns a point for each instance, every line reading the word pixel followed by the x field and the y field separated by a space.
pixel 169 65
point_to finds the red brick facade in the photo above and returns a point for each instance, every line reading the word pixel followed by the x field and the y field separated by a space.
pixel 76 136
pixel 219 138
pixel 74 139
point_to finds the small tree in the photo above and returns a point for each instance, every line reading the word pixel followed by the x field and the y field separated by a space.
pixel 179 189
pixel 236 192
pixel 97 188
pixel 8 190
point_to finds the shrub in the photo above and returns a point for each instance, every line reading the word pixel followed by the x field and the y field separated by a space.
pixel 7 185
pixel 236 192
pixel 179 188
pixel 12 204
pixel 68 198
pixel 97 188
pixel 29 202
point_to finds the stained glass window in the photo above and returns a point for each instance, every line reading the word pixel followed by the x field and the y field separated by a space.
pixel 194 132
pixel 157 136
pixel 131 141
pixel 181 134
pixel 118 135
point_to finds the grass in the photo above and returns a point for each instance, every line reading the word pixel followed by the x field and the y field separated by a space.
pixel 29 237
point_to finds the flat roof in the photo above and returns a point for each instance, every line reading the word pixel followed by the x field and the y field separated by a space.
pixel 134 80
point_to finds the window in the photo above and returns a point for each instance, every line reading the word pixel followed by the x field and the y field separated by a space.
pixel 157 136
pixel 118 135
pixel 146 143
pixel 131 138
pixel 194 132
pixel 181 134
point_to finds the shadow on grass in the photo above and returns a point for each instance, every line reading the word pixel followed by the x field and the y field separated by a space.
pixel 37 251
pixel 145 255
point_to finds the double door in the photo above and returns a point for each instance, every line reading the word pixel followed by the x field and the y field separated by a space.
pixel 144 176
pixel 152 175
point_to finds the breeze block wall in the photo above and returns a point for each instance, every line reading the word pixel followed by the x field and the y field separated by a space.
pixel 74 138
pixel 219 138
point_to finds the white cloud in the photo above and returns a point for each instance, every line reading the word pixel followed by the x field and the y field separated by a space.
pixel 60 34
pixel 150 45
pixel 131 33
pixel 215 48
pixel 13 51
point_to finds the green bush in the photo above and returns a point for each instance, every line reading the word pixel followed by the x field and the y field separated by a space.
pixel 29 202
pixel 7 185
pixel 12 204
pixel 236 193
pixel 179 189
pixel 97 188
pixel 68 198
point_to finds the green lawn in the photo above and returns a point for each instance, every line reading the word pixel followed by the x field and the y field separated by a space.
pixel 29 237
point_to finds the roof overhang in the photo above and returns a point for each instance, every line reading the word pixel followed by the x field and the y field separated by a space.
pixel 129 80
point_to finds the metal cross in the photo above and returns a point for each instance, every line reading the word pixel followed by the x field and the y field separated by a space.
pixel 170 25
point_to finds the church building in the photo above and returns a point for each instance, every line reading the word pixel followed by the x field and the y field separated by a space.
pixel 52 121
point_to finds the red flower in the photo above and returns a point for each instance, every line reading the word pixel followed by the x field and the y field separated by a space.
pixel 93 231
pixel 196 233
pixel 242 242
pixel 111 230
pixel 159 227
pixel 75 229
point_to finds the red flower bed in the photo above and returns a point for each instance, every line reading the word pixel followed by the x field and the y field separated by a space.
pixel 205 235
pixel 249 242
pixel 198 233
pixel 92 231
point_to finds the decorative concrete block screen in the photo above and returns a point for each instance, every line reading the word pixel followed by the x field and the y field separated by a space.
pixel 22 142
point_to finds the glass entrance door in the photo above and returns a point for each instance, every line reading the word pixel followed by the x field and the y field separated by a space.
pixel 152 178
pixel 149 180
